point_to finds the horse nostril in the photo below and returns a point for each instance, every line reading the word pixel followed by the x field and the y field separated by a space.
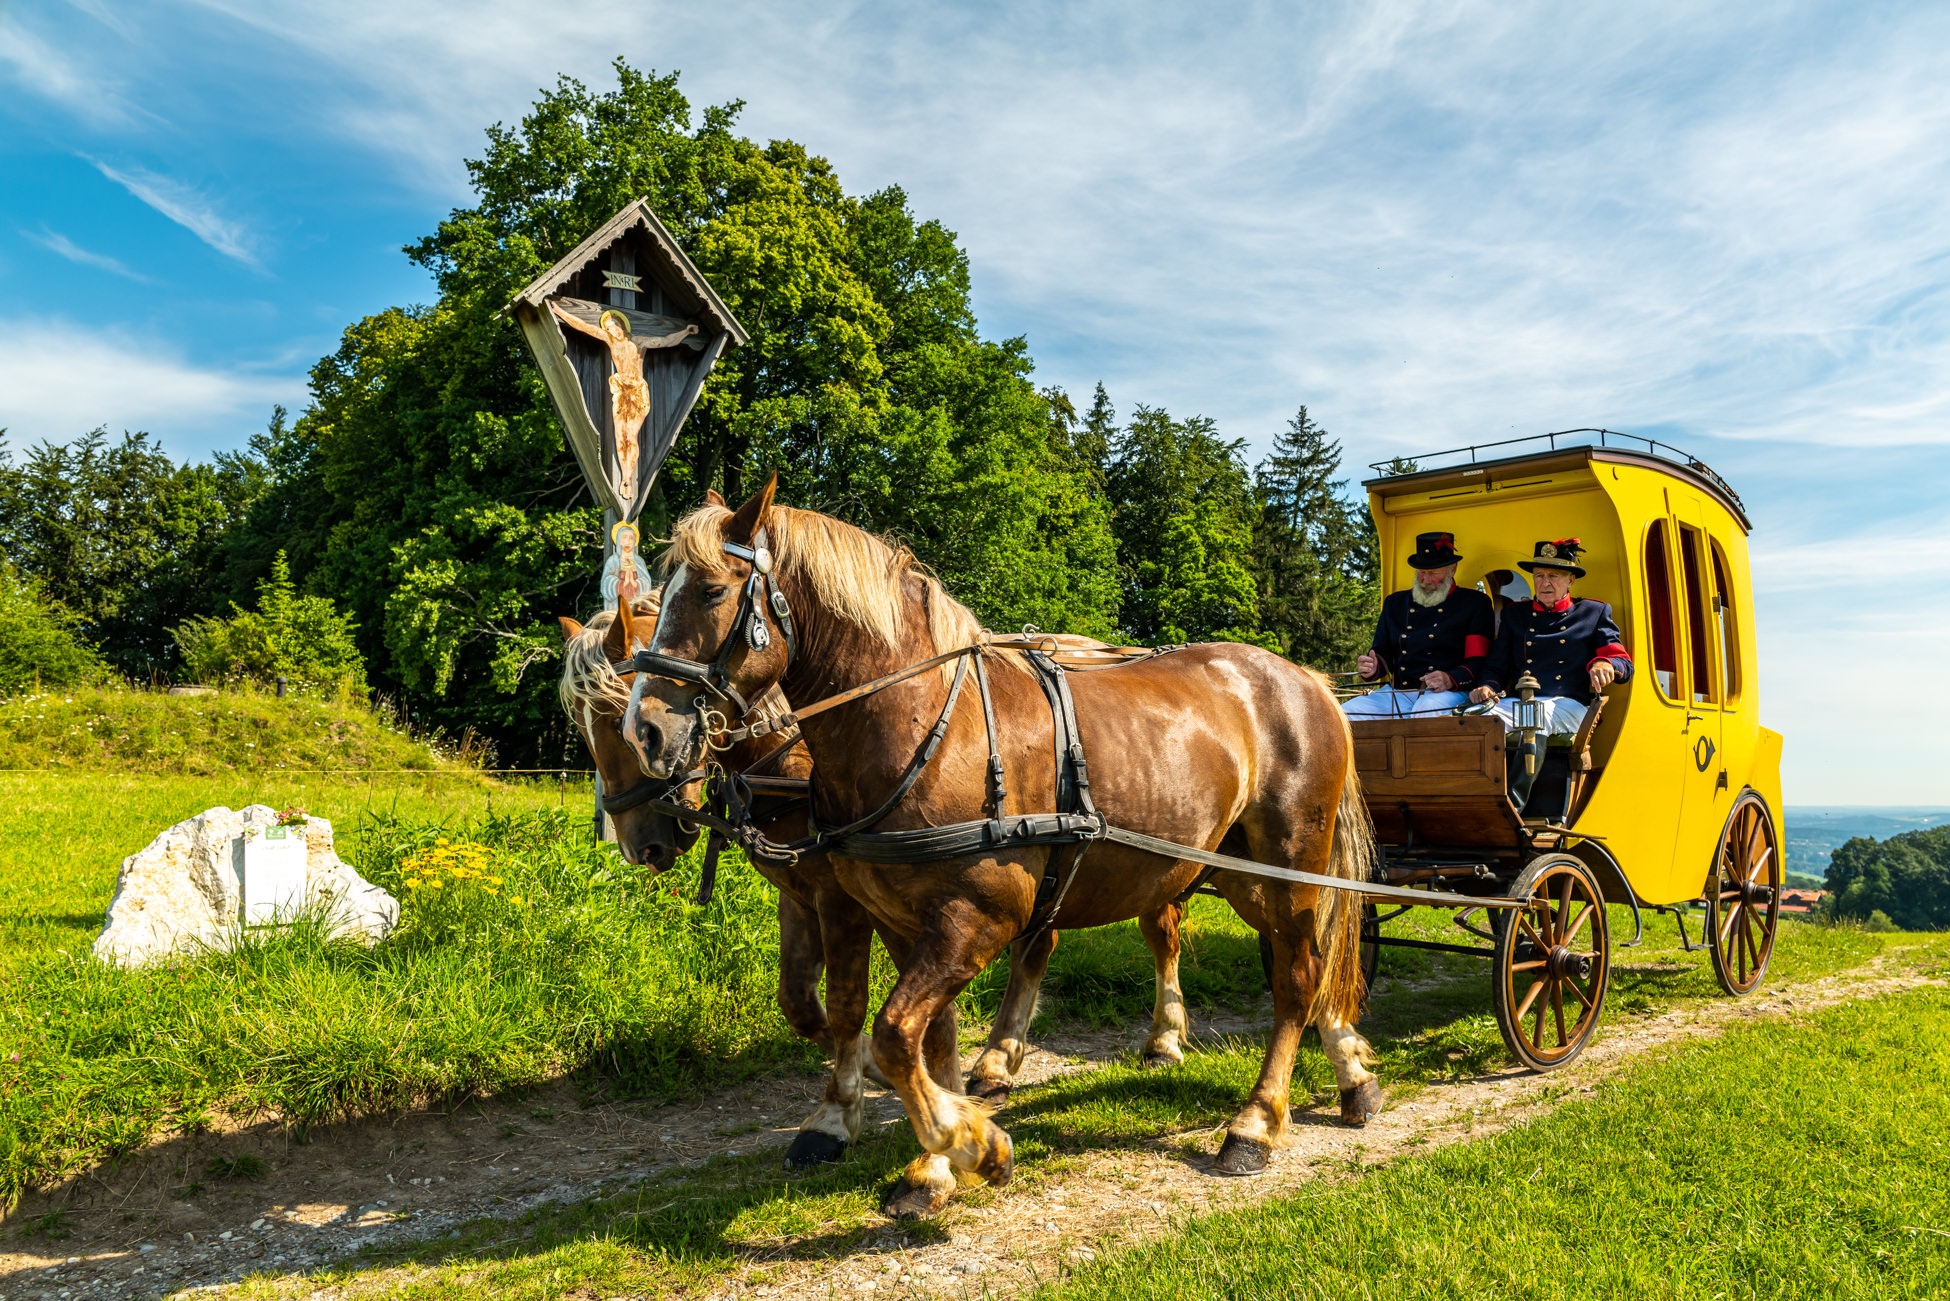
pixel 651 736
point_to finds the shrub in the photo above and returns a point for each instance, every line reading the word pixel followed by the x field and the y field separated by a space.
pixel 302 638
pixel 39 639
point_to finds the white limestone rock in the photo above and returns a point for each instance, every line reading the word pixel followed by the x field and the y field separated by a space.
pixel 185 891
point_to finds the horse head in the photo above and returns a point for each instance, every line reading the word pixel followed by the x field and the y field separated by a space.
pixel 597 699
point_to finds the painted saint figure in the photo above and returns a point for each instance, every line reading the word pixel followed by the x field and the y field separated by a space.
pixel 629 395
pixel 625 577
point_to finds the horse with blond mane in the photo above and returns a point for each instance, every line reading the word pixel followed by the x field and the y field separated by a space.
pixel 1221 747
pixel 822 930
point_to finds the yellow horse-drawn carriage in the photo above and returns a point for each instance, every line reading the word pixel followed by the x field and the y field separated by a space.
pixel 1667 796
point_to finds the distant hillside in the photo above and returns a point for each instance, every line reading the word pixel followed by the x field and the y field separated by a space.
pixel 118 729
pixel 1815 831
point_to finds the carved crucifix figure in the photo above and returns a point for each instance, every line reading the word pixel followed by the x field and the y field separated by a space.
pixel 629 395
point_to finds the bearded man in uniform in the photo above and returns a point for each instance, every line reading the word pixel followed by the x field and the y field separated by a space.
pixel 1570 645
pixel 1431 639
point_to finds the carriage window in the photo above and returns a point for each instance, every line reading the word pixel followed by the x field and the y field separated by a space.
pixel 1698 620
pixel 1658 593
pixel 1729 630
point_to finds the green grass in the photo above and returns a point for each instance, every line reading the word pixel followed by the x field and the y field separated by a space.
pixel 597 972
pixel 1778 1161
pixel 124 729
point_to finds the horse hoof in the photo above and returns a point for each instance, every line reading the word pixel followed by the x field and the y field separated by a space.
pixel 914 1202
pixel 1243 1156
pixel 990 1093
pixel 810 1148
pixel 1161 1061
pixel 1360 1104
pixel 1001 1163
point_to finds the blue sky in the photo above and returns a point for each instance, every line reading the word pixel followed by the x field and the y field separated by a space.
pixel 1433 224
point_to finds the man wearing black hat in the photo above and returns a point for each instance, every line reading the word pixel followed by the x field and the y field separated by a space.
pixel 1570 645
pixel 1431 639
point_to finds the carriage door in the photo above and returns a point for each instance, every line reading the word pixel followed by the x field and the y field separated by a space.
pixel 1706 801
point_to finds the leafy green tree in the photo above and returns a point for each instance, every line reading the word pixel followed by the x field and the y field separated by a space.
pixel 40 639
pixel 1183 511
pixel 122 536
pixel 304 639
pixel 1313 551
pixel 428 486
pixel 1906 876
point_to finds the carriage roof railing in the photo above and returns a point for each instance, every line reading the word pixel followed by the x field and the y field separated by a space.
pixel 1558 440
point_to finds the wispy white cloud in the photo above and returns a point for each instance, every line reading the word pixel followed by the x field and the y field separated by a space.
pixel 53 72
pixel 57 243
pixel 188 209
pixel 59 378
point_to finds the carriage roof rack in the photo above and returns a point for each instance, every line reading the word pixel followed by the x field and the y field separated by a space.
pixel 1558 440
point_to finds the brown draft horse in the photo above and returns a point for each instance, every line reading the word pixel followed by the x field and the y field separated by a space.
pixel 1222 747
pixel 821 928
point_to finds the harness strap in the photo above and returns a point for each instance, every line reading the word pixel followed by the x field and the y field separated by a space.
pixel 791 718
pixel 822 839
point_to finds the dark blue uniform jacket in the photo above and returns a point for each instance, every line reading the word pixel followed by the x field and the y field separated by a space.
pixel 1415 639
pixel 1558 646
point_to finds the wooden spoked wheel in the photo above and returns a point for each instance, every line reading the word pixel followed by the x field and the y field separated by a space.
pixel 1553 963
pixel 1743 896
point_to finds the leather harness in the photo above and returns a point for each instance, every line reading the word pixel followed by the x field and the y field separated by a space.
pixel 729 810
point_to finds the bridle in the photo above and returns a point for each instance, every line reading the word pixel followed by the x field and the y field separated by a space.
pixel 759 594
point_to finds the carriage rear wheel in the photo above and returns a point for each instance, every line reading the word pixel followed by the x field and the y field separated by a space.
pixel 1743 896
pixel 1553 963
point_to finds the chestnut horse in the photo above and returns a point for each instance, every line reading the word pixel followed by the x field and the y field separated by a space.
pixel 822 930
pixel 1221 747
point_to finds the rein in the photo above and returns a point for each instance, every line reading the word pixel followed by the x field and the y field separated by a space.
pixel 1072 829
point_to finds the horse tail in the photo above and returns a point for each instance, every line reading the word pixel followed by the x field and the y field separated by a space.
pixel 1352 858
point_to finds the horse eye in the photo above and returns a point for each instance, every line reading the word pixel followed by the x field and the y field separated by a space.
pixel 715 593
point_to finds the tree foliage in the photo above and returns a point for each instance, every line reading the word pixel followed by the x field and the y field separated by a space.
pixel 304 639
pixel 437 498
pixel 121 536
pixel 1315 553
pixel 1906 876
pixel 40 640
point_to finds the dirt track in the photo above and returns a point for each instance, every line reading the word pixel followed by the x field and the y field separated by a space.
pixel 134 1233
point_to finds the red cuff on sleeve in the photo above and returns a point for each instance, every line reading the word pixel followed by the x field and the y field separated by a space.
pixel 1476 646
pixel 1612 652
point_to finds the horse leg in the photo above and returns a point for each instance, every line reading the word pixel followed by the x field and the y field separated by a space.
pixel 847 936
pixel 1168 1025
pixel 802 958
pixel 1261 1124
pixel 1349 1055
pixel 994 1070
pixel 913 1040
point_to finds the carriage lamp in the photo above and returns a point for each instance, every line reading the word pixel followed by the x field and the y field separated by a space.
pixel 1525 714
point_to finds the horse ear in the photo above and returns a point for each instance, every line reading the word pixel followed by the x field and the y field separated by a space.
pixel 711 498
pixel 751 516
pixel 570 628
pixel 623 631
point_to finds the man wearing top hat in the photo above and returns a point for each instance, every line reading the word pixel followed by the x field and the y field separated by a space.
pixel 1570 645
pixel 1431 639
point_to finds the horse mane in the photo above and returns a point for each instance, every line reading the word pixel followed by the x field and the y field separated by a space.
pixel 858 577
pixel 588 682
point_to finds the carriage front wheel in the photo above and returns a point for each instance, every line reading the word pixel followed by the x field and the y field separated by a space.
pixel 1553 963
pixel 1743 896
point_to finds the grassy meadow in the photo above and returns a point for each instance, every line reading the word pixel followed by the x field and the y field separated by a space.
pixel 528 954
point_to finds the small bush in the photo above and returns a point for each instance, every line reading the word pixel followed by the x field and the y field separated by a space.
pixel 303 639
pixel 39 639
